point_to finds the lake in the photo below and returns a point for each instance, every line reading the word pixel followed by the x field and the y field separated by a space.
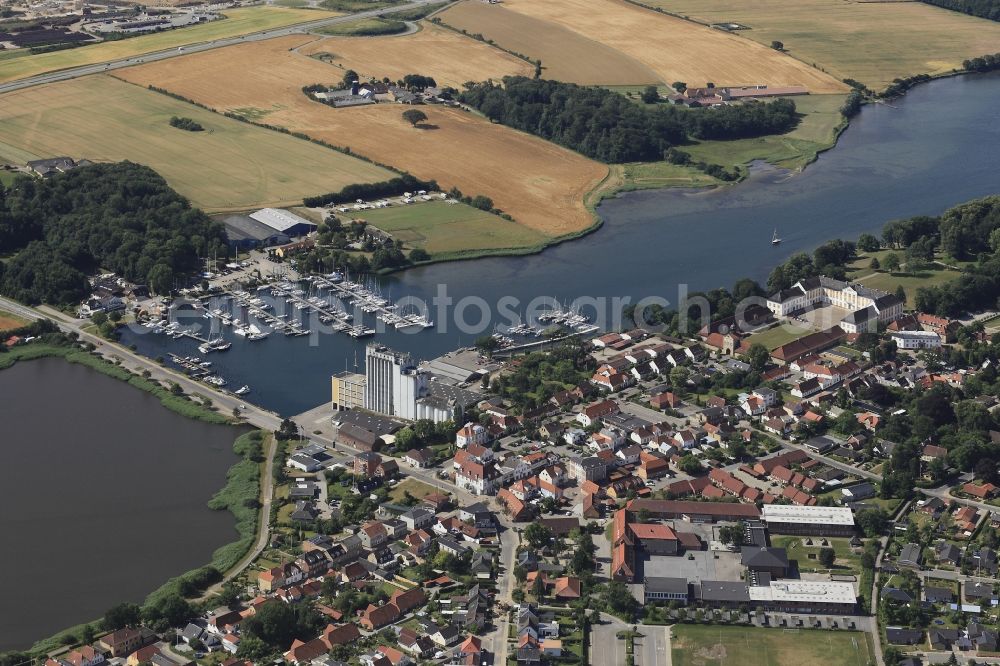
pixel 930 150
pixel 104 496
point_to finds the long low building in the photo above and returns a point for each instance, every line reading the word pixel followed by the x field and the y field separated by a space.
pixel 788 596
pixel 811 520
pixel 696 512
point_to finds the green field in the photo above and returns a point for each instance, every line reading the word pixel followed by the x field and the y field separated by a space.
pixel 443 228
pixel 873 42
pixel 364 27
pixel 356 5
pixel 777 336
pixel 698 645
pixel 647 175
pixel 237 22
pixel 230 166
pixel 910 282
pixel 816 132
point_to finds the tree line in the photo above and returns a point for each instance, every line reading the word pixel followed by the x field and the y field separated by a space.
pixel 368 191
pixel 120 217
pixel 606 126
pixel 987 9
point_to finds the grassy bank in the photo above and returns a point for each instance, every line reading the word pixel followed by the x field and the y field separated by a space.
pixel 368 27
pixel 241 497
pixel 180 404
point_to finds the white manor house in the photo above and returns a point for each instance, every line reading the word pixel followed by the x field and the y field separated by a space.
pixel 867 307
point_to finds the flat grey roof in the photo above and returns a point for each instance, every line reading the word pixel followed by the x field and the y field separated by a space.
pixel 241 227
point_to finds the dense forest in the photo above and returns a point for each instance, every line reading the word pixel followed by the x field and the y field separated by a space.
pixel 987 9
pixel 606 126
pixel 118 217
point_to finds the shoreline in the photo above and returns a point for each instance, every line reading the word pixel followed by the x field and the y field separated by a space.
pixel 243 479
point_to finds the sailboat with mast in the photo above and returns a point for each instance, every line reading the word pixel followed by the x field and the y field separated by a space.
pixel 775 240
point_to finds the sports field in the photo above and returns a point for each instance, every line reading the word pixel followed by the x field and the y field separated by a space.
pixel 444 228
pixel 237 22
pixel 873 42
pixel 448 57
pixel 674 49
pixel 566 55
pixel 540 184
pixel 699 645
pixel 231 165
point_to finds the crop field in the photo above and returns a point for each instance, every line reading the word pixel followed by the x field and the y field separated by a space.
pixel 230 165
pixel 444 228
pixel 433 51
pixel 10 321
pixel 674 49
pixel 237 22
pixel 873 42
pixel 696 645
pixel 540 184
pixel 566 55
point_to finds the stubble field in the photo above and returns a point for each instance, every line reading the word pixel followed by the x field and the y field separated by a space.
pixel 229 166
pixel 566 55
pixel 433 51
pixel 237 22
pixel 674 49
pixel 541 185
pixel 873 42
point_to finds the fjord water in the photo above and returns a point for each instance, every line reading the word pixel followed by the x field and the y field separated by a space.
pixel 103 496
pixel 930 150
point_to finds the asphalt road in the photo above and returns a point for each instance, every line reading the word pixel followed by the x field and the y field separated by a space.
pixel 653 647
pixel 298 28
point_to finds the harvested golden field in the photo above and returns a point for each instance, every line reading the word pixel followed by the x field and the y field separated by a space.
pixel 873 42
pixel 228 166
pixel 540 184
pixel 677 50
pixel 566 55
pixel 237 22
pixel 438 52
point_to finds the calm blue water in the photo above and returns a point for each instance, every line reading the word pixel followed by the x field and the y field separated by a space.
pixel 936 148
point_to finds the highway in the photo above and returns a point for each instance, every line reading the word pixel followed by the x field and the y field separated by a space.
pixel 111 65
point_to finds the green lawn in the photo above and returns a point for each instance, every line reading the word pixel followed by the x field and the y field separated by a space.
pixel 910 282
pixel 237 22
pixel 229 166
pixel 847 560
pixel 700 645
pixel 418 489
pixel 777 336
pixel 443 228
pixel 7 177
pixel 816 132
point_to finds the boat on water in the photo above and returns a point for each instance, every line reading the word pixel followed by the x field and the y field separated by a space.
pixel 775 240
pixel 243 390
